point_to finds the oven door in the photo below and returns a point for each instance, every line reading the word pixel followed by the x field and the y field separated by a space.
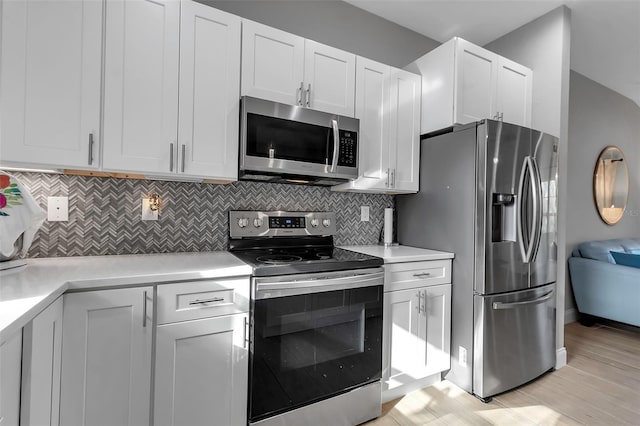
pixel 313 336
pixel 287 139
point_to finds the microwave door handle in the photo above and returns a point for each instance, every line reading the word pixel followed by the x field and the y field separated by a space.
pixel 336 141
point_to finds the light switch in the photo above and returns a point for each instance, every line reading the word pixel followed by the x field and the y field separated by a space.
pixel 364 213
pixel 58 209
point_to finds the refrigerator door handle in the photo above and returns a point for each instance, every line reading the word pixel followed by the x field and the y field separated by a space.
pixel 538 213
pixel 519 224
pixel 511 305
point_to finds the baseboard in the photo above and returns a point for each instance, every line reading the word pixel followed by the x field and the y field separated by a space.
pixel 570 315
pixel 561 357
pixel 400 391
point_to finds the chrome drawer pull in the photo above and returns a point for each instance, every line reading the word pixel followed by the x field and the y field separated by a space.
pixel 202 302
pixel 422 274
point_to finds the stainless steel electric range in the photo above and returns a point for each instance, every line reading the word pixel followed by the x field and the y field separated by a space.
pixel 316 321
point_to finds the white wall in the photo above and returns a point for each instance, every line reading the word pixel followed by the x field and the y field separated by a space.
pixel 336 24
pixel 599 117
pixel 544 46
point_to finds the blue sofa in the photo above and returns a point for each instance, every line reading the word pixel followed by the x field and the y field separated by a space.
pixel 601 287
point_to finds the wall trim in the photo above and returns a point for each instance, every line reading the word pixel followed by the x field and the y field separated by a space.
pixel 570 315
pixel 561 358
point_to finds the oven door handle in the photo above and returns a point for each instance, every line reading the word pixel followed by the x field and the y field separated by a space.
pixel 268 290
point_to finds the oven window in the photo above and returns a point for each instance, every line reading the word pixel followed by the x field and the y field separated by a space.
pixel 270 137
pixel 309 347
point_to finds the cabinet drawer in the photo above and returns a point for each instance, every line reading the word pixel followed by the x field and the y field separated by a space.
pixel 402 276
pixel 202 299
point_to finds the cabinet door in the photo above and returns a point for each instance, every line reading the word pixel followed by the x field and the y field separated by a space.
pixel 141 86
pixel 106 357
pixel 514 92
pixel 329 78
pixel 41 361
pixel 272 63
pixel 434 330
pixel 201 372
pixel 475 76
pixel 209 92
pixel 401 344
pixel 417 334
pixel 404 135
pixel 10 354
pixel 372 109
pixel 50 82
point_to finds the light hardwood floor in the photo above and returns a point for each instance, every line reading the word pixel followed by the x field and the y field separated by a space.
pixel 599 386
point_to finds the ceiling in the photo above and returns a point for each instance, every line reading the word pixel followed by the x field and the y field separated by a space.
pixel 605 34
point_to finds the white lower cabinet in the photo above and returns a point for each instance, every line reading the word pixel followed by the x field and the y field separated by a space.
pixel 202 355
pixel 417 326
pixel 106 357
pixel 41 362
pixel 201 372
pixel 10 353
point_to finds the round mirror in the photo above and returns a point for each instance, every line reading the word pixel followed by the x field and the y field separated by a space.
pixel 611 185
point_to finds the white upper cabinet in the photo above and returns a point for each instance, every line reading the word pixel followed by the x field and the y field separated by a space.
pixel 272 64
pixel 330 78
pixel 462 83
pixel 514 92
pixel 141 86
pixel 285 68
pixel 171 94
pixel 475 76
pixel 388 107
pixel 209 92
pixel 50 72
pixel 404 135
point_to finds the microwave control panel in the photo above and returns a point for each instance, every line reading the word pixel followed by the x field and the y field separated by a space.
pixel 348 151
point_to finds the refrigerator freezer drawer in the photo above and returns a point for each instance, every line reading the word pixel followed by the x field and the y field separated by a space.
pixel 514 339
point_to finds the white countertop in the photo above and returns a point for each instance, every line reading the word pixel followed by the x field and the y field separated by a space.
pixel 26 291
pixel 397 254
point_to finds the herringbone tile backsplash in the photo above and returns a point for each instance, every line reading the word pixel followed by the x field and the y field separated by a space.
pixel 104 214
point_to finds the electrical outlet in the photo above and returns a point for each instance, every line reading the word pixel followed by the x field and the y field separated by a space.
pixel 462 356
pixel 147 213
pixel 58 209
pixel 364 213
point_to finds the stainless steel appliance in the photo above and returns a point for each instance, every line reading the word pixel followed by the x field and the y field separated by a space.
pixel 316 321
pixel 488 192
pixel 293 144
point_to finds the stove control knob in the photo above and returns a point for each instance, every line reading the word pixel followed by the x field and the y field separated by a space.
pixel 257 222
pixel 326 222
pixel 315 222
pixel 243 222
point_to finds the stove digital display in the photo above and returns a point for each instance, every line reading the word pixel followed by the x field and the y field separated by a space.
pixel 286 222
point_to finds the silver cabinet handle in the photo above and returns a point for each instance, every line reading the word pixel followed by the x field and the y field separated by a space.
pixel 299 93
pixel 245 330
pixel 90 148
pixel 144 308
pixel 422 274
pixel 170 157
pixel 419 307
pixel 501 118
pixel 424 300
pixel 387 181
pixel 503 305
pixel 308 96
pixel 184 151
pixel 336 144
pixel 204 301
pixel 393 178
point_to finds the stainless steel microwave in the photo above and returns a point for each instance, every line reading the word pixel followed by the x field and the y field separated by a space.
pixel 293 144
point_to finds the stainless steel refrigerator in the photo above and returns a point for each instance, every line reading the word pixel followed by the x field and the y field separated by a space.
pixel 488 193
